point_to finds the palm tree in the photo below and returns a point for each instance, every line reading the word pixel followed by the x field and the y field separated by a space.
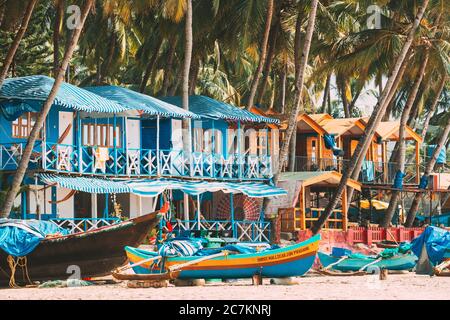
pixel 401 154
pixel 428 169
pixel 374 120
pixel 433 106
pixel 186 68
pixel 25 159
pixel 299 75
pixel 15 44
pixel 57 26
pixel 262 57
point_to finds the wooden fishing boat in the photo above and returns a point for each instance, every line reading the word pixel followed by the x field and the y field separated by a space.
pixel 386 244
pixel 289 261
pixel 399 262
pixel 86 254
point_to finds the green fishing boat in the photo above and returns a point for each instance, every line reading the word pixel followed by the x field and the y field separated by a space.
pixel 359 262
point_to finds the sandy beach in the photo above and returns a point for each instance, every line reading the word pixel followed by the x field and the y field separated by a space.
pixel 311 287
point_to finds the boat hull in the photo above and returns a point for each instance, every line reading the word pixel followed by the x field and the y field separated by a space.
pixel 398 263
pixel 82 255
pixel 290 261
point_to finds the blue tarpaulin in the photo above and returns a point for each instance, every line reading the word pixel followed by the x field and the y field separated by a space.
pixel 398 180
pixel 442 157
pixel 436 241
pixel 330 143
pixel 20 237
pixel 368 170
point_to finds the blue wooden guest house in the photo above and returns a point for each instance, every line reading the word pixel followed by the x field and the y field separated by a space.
pixel 108 151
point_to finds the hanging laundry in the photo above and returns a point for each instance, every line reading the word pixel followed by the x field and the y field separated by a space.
pixel 101 156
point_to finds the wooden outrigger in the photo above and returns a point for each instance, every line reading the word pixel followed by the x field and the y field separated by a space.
pixel 290 261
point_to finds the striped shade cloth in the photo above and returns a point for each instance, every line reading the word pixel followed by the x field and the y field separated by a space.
pixel 207 107
pixel 152 188
pixel 138 101
pixel 31 91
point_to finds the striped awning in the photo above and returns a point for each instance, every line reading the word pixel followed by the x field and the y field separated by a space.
pixel 152 188
pixel 137 101
pixel 29 92
pixel 207 107
pixel 87 184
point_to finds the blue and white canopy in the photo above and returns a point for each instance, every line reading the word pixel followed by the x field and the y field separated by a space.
pixel 207 107
pixel 87 184
pixel 137 101
pixel 154 187
pixel 26 94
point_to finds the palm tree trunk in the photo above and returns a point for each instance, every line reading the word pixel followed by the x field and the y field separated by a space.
pixel 356 172
pixel 25 159
pixel 401 141
pixel 15 44
pixel 325 94
pixel 262 58
pixel 374 120
pixel 283 89
pixel 428 169
pixel 300 76
pixel 186 67
pixel 168 69
pixel 433 106
pixel 268 63
pixel 59 6
pixel 193 76
pixel 149 68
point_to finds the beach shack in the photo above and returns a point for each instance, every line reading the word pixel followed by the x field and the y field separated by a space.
pixel 308 195
pixel 108 152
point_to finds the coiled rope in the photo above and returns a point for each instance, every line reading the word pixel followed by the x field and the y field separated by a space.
pixel 13 264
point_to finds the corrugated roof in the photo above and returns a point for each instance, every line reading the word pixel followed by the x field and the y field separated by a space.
pixel 207 107
pixel 33 90
pixel 138 101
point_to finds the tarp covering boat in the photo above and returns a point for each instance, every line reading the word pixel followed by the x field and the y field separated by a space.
pixel 436 241
pixel 20 237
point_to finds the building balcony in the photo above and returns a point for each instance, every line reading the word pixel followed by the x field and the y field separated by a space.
pixel 128 162
pixel 372 172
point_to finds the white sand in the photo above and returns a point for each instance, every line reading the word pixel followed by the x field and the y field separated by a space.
pixel 396 286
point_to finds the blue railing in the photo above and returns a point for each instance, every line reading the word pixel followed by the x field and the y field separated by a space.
pixel 129 162
pixel 243 231
pixel 75 225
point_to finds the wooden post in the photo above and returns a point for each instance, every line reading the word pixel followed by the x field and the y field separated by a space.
pixel 158 166
pixel 384 156
pixel 257 280
pixel 186 210
pixel 198 212
pixel 79 144
pixel 344 209
pixel 233 224
pixel 115 142
pixel 417 162
pixel 303 207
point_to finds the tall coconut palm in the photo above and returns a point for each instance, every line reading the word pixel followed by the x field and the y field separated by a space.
pixel 18 37
pixel 428 169
pixel 25 159
pixel 401 154
pixel 374 120
pixel 262 57
pixel 186 68
pixel 433 106
pixel 299 74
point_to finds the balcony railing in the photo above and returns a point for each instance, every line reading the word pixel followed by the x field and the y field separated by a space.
pixel 64 158
pixel 372 172
pixel 243 231
pixel 74 225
